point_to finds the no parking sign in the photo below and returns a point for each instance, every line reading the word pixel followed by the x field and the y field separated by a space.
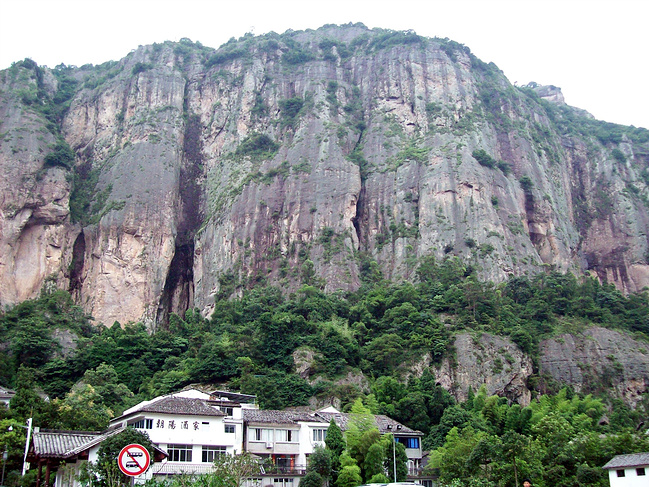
pixel 134 460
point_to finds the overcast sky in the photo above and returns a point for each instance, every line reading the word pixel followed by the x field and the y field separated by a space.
pixel 596 51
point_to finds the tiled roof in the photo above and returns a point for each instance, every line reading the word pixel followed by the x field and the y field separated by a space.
pixel 66 444
pixel 631 460
pixel 278 417
pixel 60 443
pixel 179 405
pixel 340 419
pixel 5 392
pixel 383 423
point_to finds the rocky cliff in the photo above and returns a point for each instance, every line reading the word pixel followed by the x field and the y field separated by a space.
pixel 592 361
pixel 293 159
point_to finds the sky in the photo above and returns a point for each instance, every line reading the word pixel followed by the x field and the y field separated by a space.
pixel 596 51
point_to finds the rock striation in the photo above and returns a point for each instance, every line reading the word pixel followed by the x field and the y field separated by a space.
pixel 288 159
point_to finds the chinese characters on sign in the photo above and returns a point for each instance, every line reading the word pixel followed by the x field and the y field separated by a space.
pixel 160 424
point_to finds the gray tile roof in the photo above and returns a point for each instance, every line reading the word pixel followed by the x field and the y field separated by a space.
pixel 384 424
pixel 278 417
pixel 60 443
pixel 6 393
pixel 66 444
pixel 631 460
pixel 180 405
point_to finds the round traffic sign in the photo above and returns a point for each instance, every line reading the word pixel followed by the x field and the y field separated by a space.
pixel 134 460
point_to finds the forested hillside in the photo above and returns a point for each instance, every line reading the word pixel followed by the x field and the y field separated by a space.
pixel 317 348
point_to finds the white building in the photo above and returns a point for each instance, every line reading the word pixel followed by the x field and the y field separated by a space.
pixel 628 470
pixel 191 428
pixel 285 439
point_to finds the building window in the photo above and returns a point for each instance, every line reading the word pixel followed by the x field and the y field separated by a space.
pixel 180 453
pixel 285 435
pixel 620 473
pixel 143 424
pixel 211 453
pixel 263 434
pixel 408 442
pixel 640 471
pixel 230 428
pixel 319 434
pixel 227 410
pixel 283 482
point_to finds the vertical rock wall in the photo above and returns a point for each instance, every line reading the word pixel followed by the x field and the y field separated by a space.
pixel 365 148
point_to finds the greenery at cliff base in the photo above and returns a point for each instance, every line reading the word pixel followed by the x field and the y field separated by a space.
pixel 249 344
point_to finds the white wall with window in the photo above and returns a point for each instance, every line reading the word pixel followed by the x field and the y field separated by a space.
pixel 191 440
pixel 629 476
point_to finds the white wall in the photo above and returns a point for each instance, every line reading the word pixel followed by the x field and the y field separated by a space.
pixel 630 479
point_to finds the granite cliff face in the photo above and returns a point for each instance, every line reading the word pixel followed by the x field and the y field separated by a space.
pixel 292 159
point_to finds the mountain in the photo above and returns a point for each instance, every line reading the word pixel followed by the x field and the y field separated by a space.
pixel 181 173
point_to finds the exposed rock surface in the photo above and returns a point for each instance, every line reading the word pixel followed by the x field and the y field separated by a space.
pixel 278 159
pixel 598 359
pixel 488 360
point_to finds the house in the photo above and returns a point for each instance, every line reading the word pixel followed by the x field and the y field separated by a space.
pixel 285 439
pixel 191 428
pixel 410 438
pixel 6 395
pixel 628 470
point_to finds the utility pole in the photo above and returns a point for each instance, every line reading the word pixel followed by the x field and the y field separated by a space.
pixel 394 457
pixel 29 436
pixel 5 455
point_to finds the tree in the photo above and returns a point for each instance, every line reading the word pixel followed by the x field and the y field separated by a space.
pixel 83 409
pixel 350 472
pixel 232 470
pixel 373 461
pixel 106 382
pixel 105 472
pixel 335 443
pixel 312 479
pixel 320 462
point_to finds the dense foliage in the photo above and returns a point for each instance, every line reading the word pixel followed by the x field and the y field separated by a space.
pixel 252 343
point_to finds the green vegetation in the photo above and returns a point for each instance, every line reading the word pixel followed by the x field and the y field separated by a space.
pixel 412 153
pixel 290 110
pixel 556 441
pixel 51 107
pixel 571 122
pixel 257 147
pixel 140 67
pixel 484 159
pixel 385 38
pixel 381 330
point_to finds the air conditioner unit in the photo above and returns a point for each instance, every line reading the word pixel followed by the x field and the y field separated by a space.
pixel 269 445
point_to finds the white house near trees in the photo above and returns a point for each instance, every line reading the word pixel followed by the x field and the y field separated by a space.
pixel 191 428
pixel 629 470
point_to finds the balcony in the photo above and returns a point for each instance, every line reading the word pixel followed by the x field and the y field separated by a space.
pixel 274 470
pixel 276 447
